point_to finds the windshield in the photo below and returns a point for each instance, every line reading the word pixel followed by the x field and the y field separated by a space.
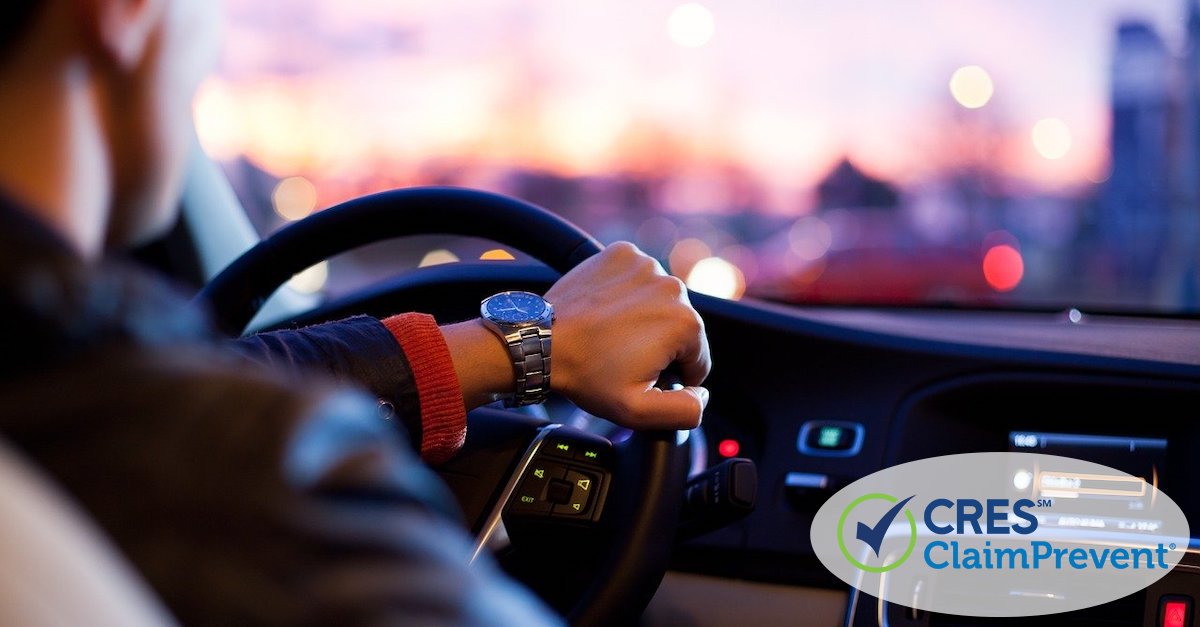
pixel 999 154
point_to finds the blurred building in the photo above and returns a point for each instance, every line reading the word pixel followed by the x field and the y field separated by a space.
pixel 1135 206
pixel 848 187
pixel 1179 280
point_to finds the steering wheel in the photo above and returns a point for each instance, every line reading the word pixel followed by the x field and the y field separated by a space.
pixel 636 486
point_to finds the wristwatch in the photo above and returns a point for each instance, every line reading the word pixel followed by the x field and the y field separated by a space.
pixel 523 321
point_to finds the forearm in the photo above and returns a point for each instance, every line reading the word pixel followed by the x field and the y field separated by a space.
pixel 402 360
pixel 356 350
pixel 480 363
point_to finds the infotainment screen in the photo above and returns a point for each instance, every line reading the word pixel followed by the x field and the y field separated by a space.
pixel 1098 501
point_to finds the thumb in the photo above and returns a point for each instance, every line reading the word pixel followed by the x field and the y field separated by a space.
pixel 671 409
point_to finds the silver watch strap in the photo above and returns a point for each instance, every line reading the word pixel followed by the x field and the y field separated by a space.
pixel 529 349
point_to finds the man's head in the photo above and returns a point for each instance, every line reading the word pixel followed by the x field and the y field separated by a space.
pixel 95 109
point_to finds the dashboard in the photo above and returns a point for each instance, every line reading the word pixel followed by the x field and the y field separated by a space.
pixel 841 394
pixel 819 397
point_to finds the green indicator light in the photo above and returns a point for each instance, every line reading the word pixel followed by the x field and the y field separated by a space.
pixel 564 447
pixel 591 454
pixel 526 499
pixel 829 437
pixel 540 473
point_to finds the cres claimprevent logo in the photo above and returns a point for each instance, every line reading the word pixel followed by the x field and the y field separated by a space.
pixel 871 529
pixel 1065 533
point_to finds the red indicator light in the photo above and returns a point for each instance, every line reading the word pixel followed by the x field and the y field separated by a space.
pixel 1175 614
pixel 728 448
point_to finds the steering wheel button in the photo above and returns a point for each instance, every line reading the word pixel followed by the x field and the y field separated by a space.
pixel 592 454
pixel 529 504
pixel 574 508
pixel 540 473
pixel 582 487
pixel 559 447
pixel 531 497
pixel 558 492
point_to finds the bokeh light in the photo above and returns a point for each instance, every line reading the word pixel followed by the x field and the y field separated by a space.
pixel 810 238
pixel 497 254
pixel 1051 138
pixel 691 25
pixel 1022 479
pixel 716 277
pixel 312 280
pixel 685 254
pixel 656 235
pixel 1003 267
pixel 637 122
pixel 217 113
pixel 437 257
pixel 971 86
pixel 294 198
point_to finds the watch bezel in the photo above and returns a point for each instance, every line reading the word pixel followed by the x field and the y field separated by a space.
pixel 543 316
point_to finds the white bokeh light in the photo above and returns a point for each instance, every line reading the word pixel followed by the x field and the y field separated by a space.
pixel 312 280
pixel 1051 138
pixel 1022 479
pixel 294 198
pixel 971 86
pixel 691 25
pixel 716 277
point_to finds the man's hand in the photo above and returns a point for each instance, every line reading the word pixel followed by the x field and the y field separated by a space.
pixel 621 320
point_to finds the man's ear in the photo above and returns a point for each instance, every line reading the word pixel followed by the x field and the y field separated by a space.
pixel 122 29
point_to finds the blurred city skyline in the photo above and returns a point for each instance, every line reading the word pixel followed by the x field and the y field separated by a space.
pixel 1037 154
pixel 783 89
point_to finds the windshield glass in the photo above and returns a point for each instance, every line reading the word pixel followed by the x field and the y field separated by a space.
pixel 1021 153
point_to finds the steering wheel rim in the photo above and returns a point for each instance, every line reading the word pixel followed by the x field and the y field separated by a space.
pixel 653 463
pixel 241 289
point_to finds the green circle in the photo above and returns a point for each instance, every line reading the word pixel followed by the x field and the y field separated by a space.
pixel 912 541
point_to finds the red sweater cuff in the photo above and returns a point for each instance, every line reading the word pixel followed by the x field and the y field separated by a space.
pixel 443 415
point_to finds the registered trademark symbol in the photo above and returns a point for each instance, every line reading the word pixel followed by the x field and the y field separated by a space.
pixel 1172 546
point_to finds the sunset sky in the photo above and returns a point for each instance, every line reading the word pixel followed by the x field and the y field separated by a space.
pixel 782 87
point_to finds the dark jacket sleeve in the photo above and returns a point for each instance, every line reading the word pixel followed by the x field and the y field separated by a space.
pixel 359 351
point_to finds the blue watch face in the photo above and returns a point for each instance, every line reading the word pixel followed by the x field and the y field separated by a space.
pixel 515 307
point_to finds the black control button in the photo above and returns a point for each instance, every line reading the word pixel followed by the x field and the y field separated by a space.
pixel 558 492
pixel 807 491
pixel 559 447
pixel 571 443
pixel 583 485
pixel 830 438
pixel 593 453
pixel 530 497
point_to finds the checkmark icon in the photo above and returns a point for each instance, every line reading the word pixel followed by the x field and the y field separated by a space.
pixel 873 535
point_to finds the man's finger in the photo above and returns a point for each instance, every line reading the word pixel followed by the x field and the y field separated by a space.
pixel 671 409
pixel 693 359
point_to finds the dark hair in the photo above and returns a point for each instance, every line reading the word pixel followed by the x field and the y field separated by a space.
pixel 16 16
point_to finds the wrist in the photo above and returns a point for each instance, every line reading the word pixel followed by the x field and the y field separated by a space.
pixel 480 361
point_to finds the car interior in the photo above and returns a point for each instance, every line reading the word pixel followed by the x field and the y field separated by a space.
pixel 1058 313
